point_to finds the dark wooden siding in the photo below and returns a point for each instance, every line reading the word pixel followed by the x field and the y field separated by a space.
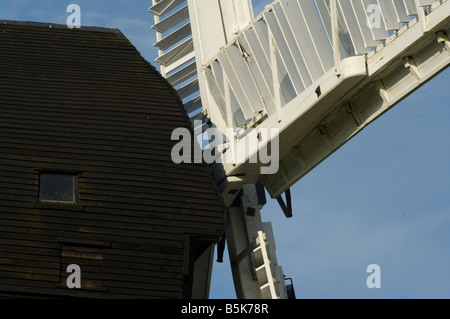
pixel 86 102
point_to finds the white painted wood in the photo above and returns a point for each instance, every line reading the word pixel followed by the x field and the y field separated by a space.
pixel 351 23
pixel 370 98
pixel 172 20
pixel 324 13
pixel 335 36
pixel 424 3
pixel 264 272
pixel 228 108
pixel 361 17
pixel 285 53
pixel 262 33
pixel 209 29
pixel 219 75
pixel 180 62
pixel 215 89
pixel 176 53
pixel 263 77
pixel 243 11
pixel 240 67
pixel 188 89
pixel 400 11
pixel 318 34
pixel 259 56
pixel 183 74
pixel 410 7
pixel 164 6
pixel 174 37
pixel 283 82
pixel 345 41
pixel 293 46
pixel 379 32
pixel 421 14
pixel 389 15
pixel 259 79
pixel 237 14
pixel 228 69
pixel 193 105
pixel 299 28
pixel 275 79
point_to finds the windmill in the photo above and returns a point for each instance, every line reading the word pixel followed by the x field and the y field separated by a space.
pixel 314 71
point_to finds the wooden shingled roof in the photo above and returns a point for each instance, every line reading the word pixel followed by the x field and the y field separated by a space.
pixel 84 101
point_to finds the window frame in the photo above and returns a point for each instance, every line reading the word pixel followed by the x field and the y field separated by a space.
pixel 74 187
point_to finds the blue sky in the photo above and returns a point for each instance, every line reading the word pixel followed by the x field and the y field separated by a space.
pixel 383 198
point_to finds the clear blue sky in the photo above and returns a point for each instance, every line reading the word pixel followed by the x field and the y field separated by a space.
pixel 383 198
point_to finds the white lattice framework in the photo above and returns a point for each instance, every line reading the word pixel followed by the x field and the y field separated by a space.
pixel 318 71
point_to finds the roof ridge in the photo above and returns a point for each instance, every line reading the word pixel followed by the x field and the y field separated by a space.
pixel 50 25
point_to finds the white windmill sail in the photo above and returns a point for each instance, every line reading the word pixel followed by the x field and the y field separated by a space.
pixel 176 52
pixel 320 71
pixel 274 69
pixel 254 264
pixel 317 71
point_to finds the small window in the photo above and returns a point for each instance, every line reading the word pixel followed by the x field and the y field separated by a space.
pixel 60 188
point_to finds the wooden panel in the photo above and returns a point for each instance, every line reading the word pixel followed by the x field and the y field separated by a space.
pixel 351 22
pixel 164 6
pixel 303 37
pixel 389 15
pixel 173 38
pixel 89 104
pixel 285 54
pixel 318 34
pixel 172 20
pixel 294 47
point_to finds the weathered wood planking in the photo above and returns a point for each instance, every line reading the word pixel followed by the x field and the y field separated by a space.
pixel 85 102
